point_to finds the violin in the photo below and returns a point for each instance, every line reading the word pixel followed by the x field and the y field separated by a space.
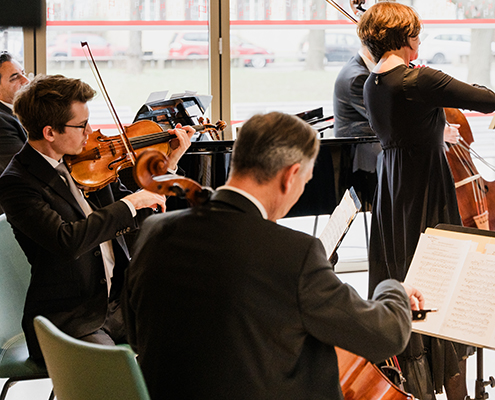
pixel 474 194
pixel 150 173
pixel 104 156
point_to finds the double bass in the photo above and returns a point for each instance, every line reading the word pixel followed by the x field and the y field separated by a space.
pixel 474 194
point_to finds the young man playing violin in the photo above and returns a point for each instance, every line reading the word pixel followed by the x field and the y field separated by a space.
pixel 74 243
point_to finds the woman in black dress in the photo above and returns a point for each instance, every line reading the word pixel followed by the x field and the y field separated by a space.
pixel 415 186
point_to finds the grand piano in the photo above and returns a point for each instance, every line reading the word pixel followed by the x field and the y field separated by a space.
pixel 207 161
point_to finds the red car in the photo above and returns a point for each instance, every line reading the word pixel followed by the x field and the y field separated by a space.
pixel 60 46
pixel 194 45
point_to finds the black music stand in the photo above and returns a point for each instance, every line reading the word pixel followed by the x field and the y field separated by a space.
pixel 480 383
pixel 186 110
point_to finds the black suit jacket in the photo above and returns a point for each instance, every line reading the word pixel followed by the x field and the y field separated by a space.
pixel 350 115
pixel 220 303
pixel 12 137
pixel 67 276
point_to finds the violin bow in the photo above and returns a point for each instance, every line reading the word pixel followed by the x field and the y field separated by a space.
pixel 113 112
pixel 342 11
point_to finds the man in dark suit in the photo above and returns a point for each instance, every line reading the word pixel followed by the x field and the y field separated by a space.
pixel 358 162
pixel 12 134
pixel 74 244
pixel 221 302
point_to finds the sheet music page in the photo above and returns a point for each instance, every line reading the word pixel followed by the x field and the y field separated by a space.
pixel 490 249
pixel 470 315
pixel 338 223
pixel 157 96
pixel 436 265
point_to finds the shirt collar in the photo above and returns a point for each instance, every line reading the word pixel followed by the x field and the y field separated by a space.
pixel 54 163
pixel 249 196
pixel 369 63
pixel 8 105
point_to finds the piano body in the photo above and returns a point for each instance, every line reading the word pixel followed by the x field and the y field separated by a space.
pixel 207 161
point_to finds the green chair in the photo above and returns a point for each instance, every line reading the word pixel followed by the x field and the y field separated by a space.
pixel 81 370
pixel 15 364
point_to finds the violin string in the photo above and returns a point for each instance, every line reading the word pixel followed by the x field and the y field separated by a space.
pixel 150 137
pixel 119 146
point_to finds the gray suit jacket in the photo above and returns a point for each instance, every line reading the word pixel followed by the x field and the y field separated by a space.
pixel 220 303
pixel 67 276
pixel 350 115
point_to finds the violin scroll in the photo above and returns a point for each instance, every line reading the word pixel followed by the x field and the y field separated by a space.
pixel 357 6
pixel 150 173
pixel 206 126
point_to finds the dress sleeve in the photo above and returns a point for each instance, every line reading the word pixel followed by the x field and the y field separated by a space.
pixel 335 314
pixel 438 89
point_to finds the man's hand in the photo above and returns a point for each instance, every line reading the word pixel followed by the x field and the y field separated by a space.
pixel 147 199
pixel 415 297
pixel 184 135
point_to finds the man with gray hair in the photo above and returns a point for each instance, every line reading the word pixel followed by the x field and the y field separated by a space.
pixel 221 302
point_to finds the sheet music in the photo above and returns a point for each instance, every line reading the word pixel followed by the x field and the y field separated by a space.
pixel 457 277
pixel 157 96
pixel 435 267
pixel 187 93
pixel 470 315
pixel 339 221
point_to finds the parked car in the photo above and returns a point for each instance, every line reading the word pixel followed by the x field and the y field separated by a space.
pixel 339 46
pixel 69 45
pixel 441 47
pixel 191 45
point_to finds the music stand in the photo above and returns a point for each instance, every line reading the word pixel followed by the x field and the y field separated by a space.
pixel 480 383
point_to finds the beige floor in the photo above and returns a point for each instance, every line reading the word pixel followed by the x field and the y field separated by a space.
pixel 352 268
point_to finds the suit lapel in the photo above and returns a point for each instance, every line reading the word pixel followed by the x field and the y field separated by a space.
pixel 37 166
pixel 6 109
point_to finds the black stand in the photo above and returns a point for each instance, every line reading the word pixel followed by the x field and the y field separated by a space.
pixel 480 384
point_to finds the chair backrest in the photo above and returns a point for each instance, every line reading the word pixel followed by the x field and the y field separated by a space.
pixel 15 273
pixel 81 370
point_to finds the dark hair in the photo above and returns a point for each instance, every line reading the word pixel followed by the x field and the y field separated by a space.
pixel 47 101
pixel 4 57
pixel 269 142
pixel 386 26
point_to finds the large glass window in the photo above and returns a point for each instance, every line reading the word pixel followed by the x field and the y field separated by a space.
pixel 140 47
pixel 11 40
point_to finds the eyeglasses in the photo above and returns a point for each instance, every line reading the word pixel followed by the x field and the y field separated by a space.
pixel 83 126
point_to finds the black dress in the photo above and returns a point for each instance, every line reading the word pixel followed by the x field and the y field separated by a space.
pixel 415 186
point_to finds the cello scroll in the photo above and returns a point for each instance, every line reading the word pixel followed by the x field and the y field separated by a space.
pixel 150 173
